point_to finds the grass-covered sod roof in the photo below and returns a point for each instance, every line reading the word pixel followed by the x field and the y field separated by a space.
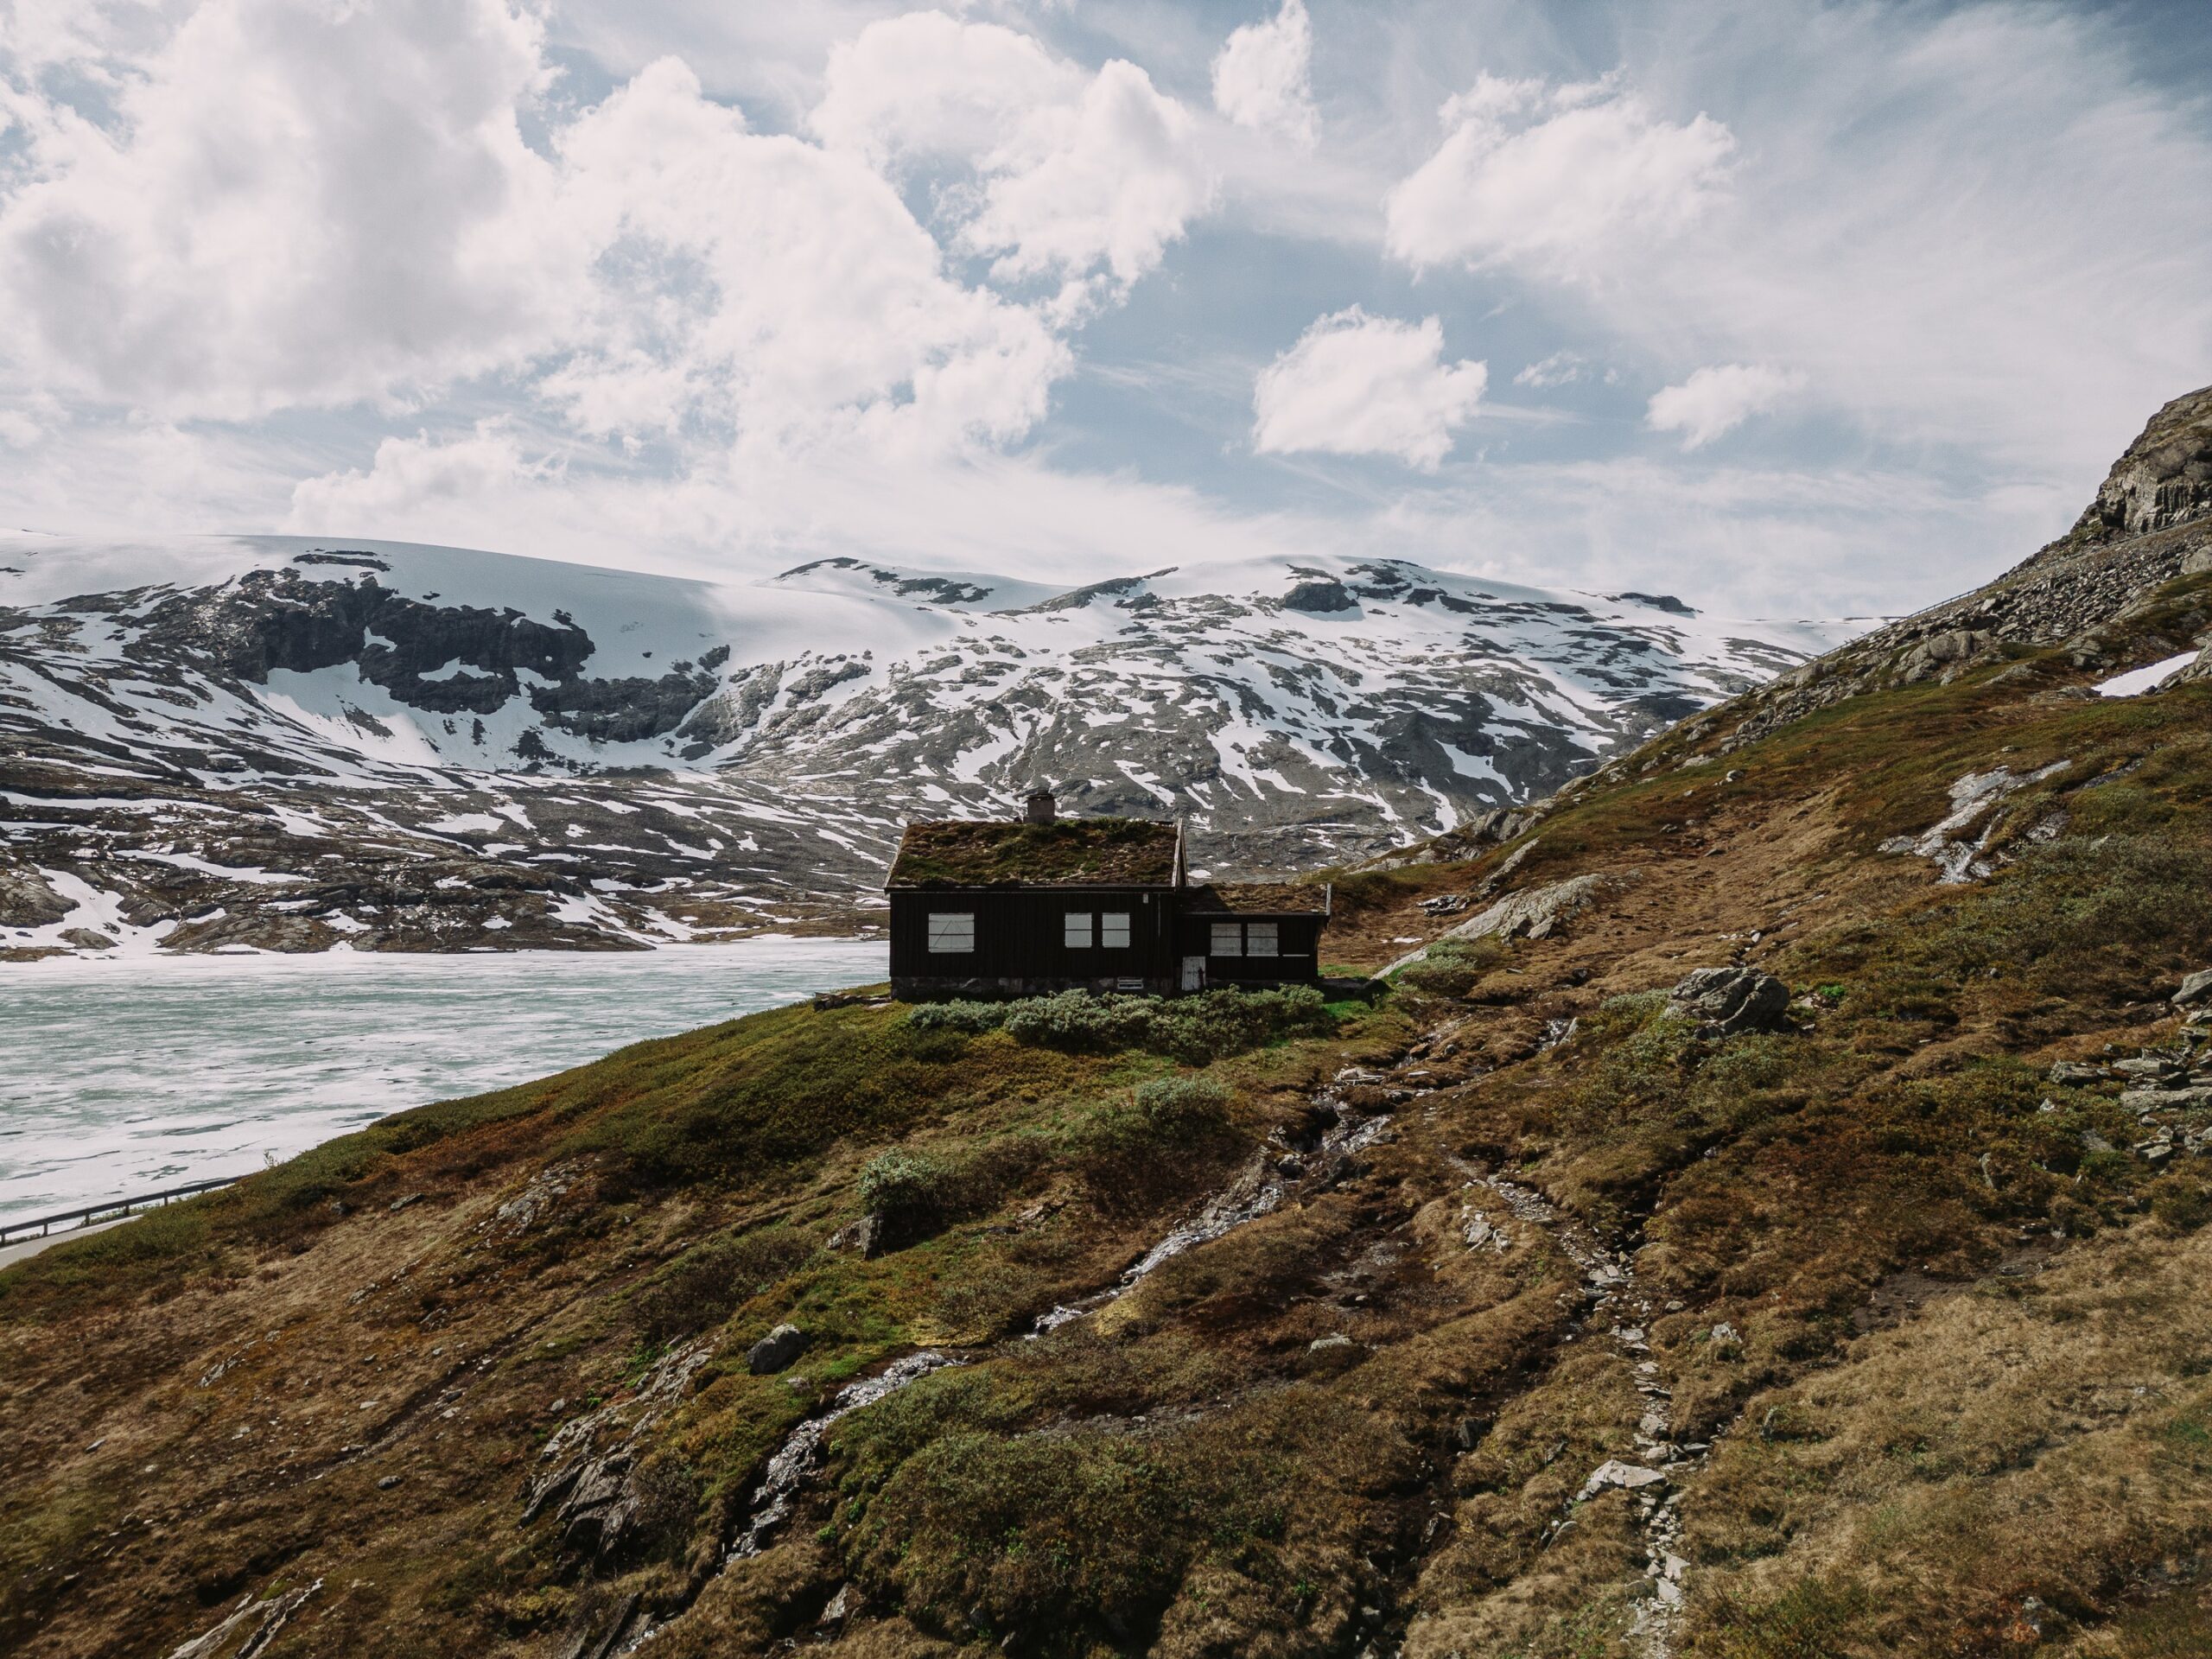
pixel 1258 898
pixel 1071 853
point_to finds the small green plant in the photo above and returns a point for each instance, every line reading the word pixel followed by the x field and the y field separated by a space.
pixel 642 1358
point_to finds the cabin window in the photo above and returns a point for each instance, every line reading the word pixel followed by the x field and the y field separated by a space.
pixel 1114 930
pixel 1075 931
pixel 952 932
pixel 1259 940
pixel 1228 939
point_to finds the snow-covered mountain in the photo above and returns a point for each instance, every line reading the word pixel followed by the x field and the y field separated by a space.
pixel 281 743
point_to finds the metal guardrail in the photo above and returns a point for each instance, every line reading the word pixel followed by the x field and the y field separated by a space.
pixel 14 1233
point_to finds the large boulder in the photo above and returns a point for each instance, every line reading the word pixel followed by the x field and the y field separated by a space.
pixel 1954 647
pixel 2197 987
pixel 1725 1000
pixel 777 1351
pixel 27 900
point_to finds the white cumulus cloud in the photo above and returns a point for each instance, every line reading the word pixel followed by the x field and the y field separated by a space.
pixel 331 205
pixel 1084 179
pixel 1263 76
pixel 1560 179
pixel 772 287
pixel 1719 399
pixel 410 473
pixel 1359 385
pixel 288 206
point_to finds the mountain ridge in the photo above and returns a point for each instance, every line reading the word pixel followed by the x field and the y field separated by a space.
pixel 572 756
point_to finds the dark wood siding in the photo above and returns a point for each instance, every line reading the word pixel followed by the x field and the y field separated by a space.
pixel 1297 961
pixel 1020 944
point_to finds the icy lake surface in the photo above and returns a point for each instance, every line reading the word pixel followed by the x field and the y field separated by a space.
pixel 127 1075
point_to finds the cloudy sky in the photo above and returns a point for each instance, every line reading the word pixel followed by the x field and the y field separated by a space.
pixel 1791 308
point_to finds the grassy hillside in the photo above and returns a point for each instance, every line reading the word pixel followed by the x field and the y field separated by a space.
pixel 1532 1316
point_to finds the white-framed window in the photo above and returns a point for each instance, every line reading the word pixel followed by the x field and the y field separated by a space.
pixel 1259 940
pixel 1114 930
pixel 1075 930
pixel 952 932
pixel 1228 939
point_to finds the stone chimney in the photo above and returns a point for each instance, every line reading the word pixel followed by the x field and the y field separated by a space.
pixel 1038 807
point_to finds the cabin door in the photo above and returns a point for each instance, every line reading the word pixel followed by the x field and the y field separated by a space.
pixel 1194 973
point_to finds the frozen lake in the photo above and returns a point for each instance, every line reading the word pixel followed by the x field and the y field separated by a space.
pixel 126 1076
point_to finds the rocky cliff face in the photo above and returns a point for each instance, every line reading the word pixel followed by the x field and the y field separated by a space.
pixel 2164 480
pixel 278 745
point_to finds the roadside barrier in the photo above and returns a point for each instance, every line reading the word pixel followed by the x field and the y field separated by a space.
pixel 14 1233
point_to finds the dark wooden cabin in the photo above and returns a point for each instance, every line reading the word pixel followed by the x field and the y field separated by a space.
pixel 1048 904
pixel 986 909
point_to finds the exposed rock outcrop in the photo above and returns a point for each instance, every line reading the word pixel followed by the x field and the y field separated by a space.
pixel 27 900
pixel 2150 522
pixel 2164 478
pixel 1726 1000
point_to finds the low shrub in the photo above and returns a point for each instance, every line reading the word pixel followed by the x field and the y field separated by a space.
pixel 906 1191
pixel 1183 1109
pixel 1193 1029
pixel 1126 1149
pixel 1455 967
pixel 969 1017
pixel 709 1282
pixel 1077 1020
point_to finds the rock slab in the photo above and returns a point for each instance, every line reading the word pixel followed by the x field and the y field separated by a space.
pixel 1726 1000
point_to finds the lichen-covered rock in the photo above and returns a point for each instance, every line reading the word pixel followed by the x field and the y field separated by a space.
pixel 2197 987
pixel 1725 1000
pixel 1953 647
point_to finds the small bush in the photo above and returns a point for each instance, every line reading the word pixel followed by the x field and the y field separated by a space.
pixel 1184 1108
pixel 1198 1029
pixel 1454 966
pixel 2180 1204
pixel 1079 1021
pixel 906 1191
pixel 969 1017
pixel 1128 1151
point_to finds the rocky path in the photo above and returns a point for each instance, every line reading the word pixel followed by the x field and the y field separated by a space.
pixel 1617 1310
